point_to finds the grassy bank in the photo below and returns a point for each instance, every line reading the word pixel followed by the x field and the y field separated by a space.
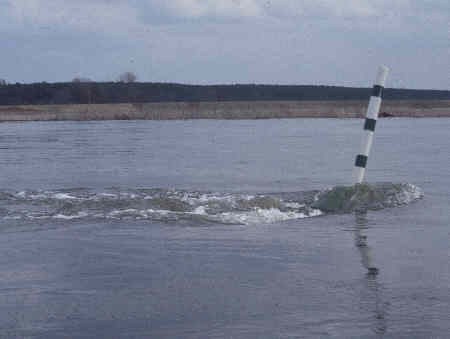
pixel 223 110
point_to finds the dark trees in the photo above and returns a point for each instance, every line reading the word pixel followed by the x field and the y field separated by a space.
pixel 120 92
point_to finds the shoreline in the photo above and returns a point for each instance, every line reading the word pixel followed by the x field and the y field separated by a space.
pixel 222 110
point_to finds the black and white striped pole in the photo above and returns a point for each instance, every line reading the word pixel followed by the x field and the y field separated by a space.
pixel 369 125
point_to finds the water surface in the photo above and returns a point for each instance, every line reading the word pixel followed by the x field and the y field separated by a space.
pixel 208 229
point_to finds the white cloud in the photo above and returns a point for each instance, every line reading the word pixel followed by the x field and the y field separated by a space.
pixel 362 8
pixel 334 8
pixel 225 8
pixel 112 16
pixel 70 15
pixel 262 8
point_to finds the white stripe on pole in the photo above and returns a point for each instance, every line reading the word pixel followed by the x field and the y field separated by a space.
pixel 369 125
pixel 367 144
pixel 373 108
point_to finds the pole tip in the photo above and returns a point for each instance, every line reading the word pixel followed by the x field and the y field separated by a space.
pixel 383 68
pixel 382 75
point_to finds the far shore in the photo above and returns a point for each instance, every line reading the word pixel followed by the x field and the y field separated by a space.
pixel 223 110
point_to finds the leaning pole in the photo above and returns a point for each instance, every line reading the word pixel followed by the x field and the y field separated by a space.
pixel 369 125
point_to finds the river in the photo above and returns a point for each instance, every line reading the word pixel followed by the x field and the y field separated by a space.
pixel 212 229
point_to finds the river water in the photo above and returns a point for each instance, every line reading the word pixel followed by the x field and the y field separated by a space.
pixel 224 229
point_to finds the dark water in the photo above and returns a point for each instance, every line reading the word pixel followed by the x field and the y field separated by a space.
pixel 223 229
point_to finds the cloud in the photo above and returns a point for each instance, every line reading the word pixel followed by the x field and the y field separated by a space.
pixel 320 8
pixel 67 15
pixel 214 41
pixel 218 8
pixel 114 16
pixel 281 8
pixel 107 14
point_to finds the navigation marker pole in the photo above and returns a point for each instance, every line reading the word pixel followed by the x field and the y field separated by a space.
pixel 369 125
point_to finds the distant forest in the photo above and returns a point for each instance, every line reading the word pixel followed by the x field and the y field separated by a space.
pixel 122 92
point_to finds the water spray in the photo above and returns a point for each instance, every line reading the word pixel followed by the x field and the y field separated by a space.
pixel 369 125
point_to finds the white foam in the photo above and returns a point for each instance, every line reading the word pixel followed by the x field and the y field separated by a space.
pixel 139 214
pixel 107 195
pixel 294 205
pixel 259 215
pixel 45 195
pixel 64 196
pixel 70 217
pixel 21 194
pixel 194 199
pixel 415 192
pixel 162 212
pixel 119 213
pixel 204 198
pixel 12 217
pixel 314 212
pixel 31 216
pixel 38 196
pixel 409 194
pixel 200 210
pixel 316 196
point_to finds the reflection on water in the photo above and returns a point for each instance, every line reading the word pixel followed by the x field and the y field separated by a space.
pixel 374 288
pixel 380 307
pixel 361 223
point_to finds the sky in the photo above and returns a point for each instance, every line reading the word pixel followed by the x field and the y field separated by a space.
pixel 315 42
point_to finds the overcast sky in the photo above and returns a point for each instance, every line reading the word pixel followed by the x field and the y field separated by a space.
pixel 322 42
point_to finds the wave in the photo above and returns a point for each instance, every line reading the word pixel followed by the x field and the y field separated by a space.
pixel 175 205
pixel 363 197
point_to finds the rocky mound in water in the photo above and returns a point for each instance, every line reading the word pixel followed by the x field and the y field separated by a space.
pixel 363 197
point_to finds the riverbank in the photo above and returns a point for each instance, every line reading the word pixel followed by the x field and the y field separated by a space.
pixel 223 110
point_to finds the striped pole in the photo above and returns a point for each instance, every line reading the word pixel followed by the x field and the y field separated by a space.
pixel 369 125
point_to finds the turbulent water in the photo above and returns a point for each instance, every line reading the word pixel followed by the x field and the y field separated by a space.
pixel 172 205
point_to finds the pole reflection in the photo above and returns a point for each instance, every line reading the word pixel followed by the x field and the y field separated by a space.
pixel 373 291
pixel 361 224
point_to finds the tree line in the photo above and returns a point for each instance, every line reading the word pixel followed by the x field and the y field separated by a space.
pixel 84 91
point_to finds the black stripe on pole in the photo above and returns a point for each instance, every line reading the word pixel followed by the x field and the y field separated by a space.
pixel 377 91
pixel 361 161
pixel 370 124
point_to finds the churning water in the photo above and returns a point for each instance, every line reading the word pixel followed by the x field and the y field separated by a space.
pixel 223 229
pixel 171 205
